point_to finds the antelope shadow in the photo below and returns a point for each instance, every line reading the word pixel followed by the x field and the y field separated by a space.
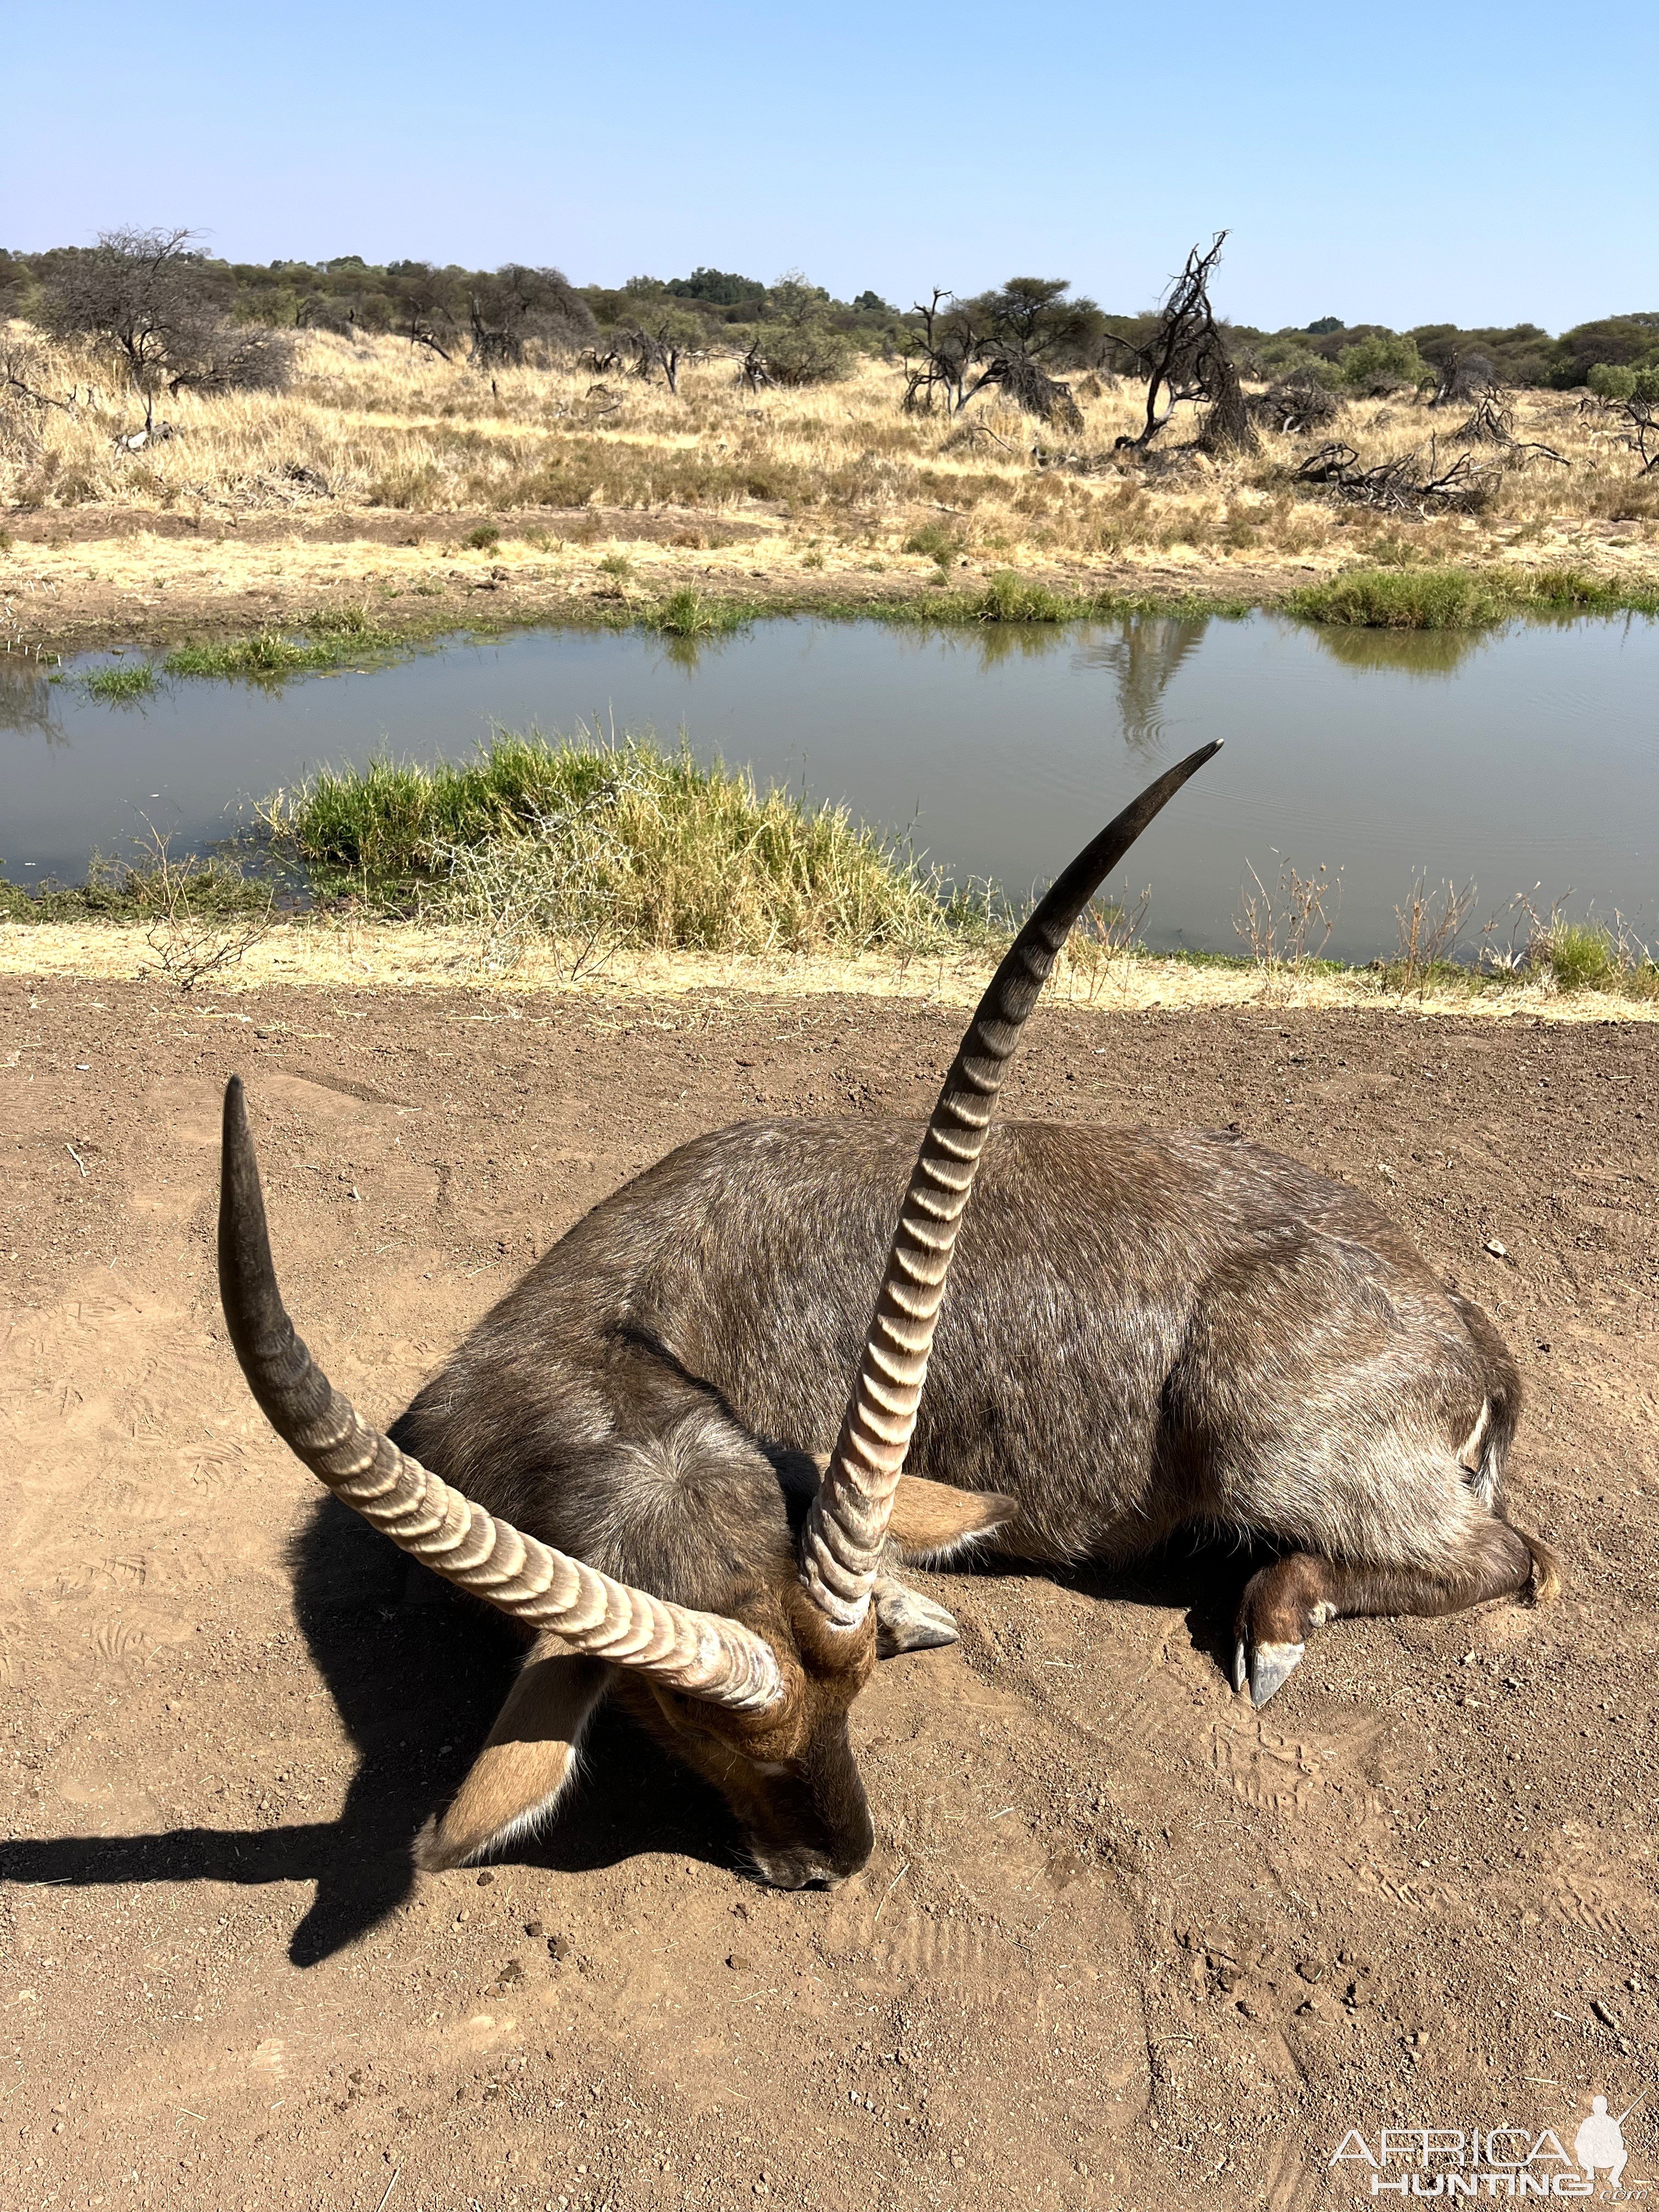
pixel 417 1674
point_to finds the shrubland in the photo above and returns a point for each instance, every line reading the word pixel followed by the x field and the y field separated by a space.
pixel 555 460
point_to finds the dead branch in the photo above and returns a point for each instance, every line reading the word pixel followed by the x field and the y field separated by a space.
pixel 1296 403
pixel 17 364
pixel 1401 485
pixel 1186 358
pixel 1641 435
pixel 1492 423
pixel 751 367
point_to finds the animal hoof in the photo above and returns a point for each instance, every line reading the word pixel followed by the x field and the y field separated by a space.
pixel 1271 1665
pixel 906 1621
pixel 1241 1665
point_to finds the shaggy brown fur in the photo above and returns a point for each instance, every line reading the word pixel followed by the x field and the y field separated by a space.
pixel 1142 1332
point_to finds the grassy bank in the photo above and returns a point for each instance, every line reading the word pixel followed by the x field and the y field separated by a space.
pixel 1437 599
pixel 609 848
pixel 1456 602
pixel 578 854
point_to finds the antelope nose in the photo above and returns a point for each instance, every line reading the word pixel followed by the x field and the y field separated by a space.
pixel 801 1869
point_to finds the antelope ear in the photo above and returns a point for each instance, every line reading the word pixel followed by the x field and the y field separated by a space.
pixel 934 1521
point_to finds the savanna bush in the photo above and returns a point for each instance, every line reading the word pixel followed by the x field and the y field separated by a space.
pixel 1610 379
pixel 806 352
pixel 1382 364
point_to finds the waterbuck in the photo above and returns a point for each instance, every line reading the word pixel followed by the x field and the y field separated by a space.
pixel 628 1454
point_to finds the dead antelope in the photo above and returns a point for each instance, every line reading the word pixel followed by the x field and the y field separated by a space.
pixel 1143 1332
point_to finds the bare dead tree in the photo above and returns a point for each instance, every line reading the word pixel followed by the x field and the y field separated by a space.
pixel 1641 433
pixel 652 351
pixel 1186 358
pixel 751 367
pixel 948 348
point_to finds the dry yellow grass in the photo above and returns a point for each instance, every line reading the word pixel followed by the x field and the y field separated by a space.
pixel 332 955
pixel 367 475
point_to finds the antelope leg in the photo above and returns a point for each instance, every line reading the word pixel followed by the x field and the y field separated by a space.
pixel 1301 1592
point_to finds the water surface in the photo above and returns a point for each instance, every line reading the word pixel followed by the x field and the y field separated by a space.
pixel 1525 757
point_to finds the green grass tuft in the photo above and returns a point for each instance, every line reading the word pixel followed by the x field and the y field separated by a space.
pixel 687 613
pixel 1409 598
pixel 623 843
pixel 1460 598
pixel 142 891
pixel 353 620
pixel 118 686
pixel 1009 598
pixel 269 655
pixel 1582 957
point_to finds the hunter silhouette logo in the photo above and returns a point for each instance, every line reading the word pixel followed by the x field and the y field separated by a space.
pixel 1600 2141
pixel 1504 2162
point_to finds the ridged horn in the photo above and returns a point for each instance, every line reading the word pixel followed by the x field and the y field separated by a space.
pixel 847 1526
pixel 703 1654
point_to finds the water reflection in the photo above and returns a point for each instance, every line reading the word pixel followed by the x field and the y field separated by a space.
pixel 26 698
pixel 1144 656
pixel 1427 652
pixel 1002 743
pixel 1000 641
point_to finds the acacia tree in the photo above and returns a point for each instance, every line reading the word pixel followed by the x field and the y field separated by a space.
pixel 506 310
pixel 426 304
pixel 165 309
pixel 1008 339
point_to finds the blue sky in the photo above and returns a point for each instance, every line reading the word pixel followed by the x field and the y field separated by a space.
pixel 1480 164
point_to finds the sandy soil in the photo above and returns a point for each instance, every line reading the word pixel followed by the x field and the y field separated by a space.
pixel 331 952
pixel 1122 1943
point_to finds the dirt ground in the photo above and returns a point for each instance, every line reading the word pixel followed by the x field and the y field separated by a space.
pixel 1123 1943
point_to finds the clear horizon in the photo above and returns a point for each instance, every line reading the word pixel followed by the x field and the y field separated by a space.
pixel 1443 172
